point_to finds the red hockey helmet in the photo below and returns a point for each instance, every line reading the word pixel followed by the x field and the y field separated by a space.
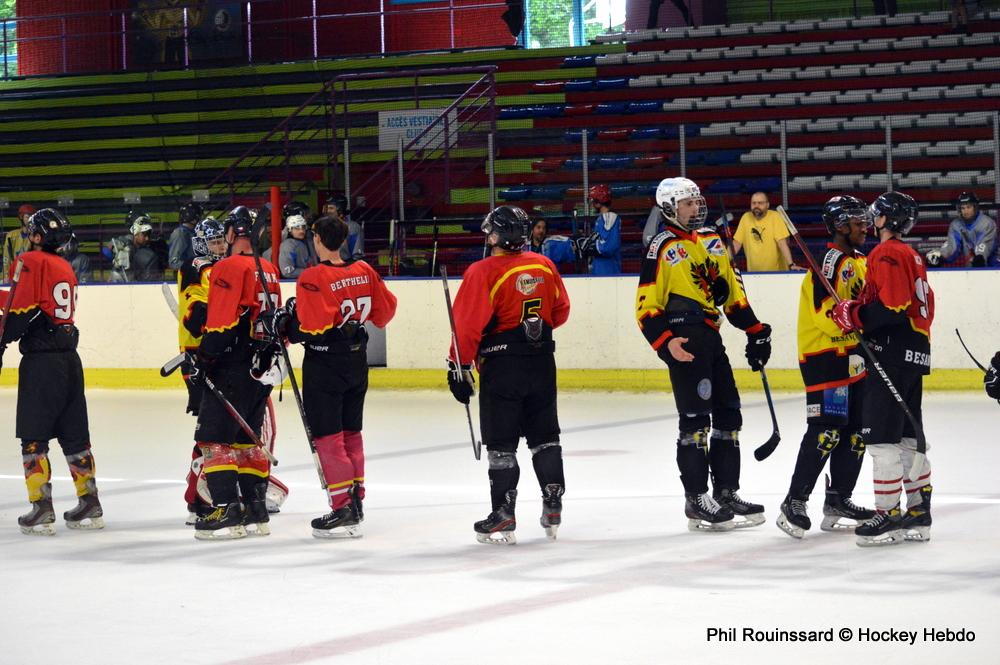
pixel 600 194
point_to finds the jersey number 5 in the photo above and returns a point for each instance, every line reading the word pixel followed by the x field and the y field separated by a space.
pixel 65 297
pixel 530 308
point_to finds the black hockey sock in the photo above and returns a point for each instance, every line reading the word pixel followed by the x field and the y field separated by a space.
pixel 724 458
pixel 222 487
pixel 692 460
pixel 252 488
pixel 504 474
pixel 845 464
pixel 817 444
pixel 548 463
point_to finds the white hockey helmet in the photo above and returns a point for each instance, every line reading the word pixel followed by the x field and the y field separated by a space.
pixel 141 224
pixel 296 222
pixel 672 191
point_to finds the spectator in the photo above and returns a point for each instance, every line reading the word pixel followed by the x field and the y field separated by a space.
pixel 297 251
pixel 604 244
pixel 181 249
pixel 353 248
pixel 885 7
pixel 79 262
pixel 763 236
pixel 654 12
pixel 15 242
pixel 972 237
pixel 959 17
pixel 132 257
pixel 558 249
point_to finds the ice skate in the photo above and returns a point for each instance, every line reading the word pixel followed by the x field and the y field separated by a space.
pixel 339 523
pixel 551 509
pixel 838 507
pixel 794 517
pixel 747 514
pixel 883 529
pixel 39 520
pixel 498 527
pixel 87 515
pixel 223 523
pixel 704 514
pixel 256 518
pixel 359 512
pixel 196 510
pixel 916 523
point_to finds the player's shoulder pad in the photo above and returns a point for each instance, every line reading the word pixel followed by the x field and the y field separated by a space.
pixel 658 241
pixel 831 262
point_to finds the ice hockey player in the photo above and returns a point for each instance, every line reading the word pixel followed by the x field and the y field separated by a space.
pixel 972 237
pixel 833 372
pixel 233 465
pixel 991 382
pixel 333 301
pixel 505 312
pixel 604 244
pixel 50 391
pixel 894 313
pixel 686 282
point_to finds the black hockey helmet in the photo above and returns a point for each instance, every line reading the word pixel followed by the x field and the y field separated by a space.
pixel 190 213
pixel 510 224
pixel 240 221
pixel 339 201
pixel 294 208
pixel 899 210
pixel 967 198
pixel 840 210
pixel 52 226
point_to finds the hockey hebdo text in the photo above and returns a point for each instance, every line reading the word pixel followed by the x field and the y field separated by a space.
pixel 861 634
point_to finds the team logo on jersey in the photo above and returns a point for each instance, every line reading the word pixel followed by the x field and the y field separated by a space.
pixel 715 246
pixel 847 273
pixel 221 283
pixel 527 284
pixel 705 389
pixel 704 275
pixel 675 254
pixel 855 364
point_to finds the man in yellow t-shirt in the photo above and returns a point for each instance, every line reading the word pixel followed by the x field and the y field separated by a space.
pixel 762 234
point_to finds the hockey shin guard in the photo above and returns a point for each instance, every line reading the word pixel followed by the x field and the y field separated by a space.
pixel 81 470
pixel 548 463
pixel 337 469
pixel 692 460
pixel 253 469
pixel 220 469
pixel 913 495
pixel 845 464
pixel 504 474
pixel 37 472
pixel 817 444
pixel 355 447
pixel 724 459
pixel 887 468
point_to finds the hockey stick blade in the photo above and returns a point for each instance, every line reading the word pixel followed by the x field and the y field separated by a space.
pixel 764 450
pixel 978 364
pixel 168 296
pixel 171 365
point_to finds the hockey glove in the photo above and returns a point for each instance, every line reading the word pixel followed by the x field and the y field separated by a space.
pixel 2 350
pixel 933 258
pixel 759 347
pixel 847 315
pixel 196 369
pixel 978 261
pixel 277 321
pixel 461 382
pixel 992 379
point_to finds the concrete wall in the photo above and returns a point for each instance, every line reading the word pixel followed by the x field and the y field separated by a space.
pixel 130 326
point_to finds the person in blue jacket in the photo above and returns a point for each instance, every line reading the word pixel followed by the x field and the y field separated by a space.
pixel 972 237
pixel 558 249
pixel 604 245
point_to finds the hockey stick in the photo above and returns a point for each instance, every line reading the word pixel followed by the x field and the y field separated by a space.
pixel 978 364
pixel 764 450
pixel 476 444
pixel 270 307
pixel 168 295
pixel 919 460
pixel 171 366
pixel 434 253
pixel 10 300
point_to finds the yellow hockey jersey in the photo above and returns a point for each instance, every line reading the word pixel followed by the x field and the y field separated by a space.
pixel 827 355
pixel 691 269
pixel 192 301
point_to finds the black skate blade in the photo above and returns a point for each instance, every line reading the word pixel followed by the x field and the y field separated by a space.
pixel 796 532
pixel 765 449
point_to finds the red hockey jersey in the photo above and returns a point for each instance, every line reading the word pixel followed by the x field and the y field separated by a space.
pixel 328 295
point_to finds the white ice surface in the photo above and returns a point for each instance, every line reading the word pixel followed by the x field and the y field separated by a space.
pixel 625 583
